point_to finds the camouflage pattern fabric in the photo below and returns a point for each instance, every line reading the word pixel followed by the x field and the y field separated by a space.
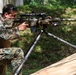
pixel 7 31
pixel 14 54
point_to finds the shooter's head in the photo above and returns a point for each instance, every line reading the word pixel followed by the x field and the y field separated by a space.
pixel 9 11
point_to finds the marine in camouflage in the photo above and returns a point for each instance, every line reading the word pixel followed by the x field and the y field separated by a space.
pixel 14 54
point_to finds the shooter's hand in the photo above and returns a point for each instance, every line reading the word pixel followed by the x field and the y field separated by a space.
pixel 23 26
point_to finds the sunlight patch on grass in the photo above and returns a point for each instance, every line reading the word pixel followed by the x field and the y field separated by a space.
pixel 38 49
pixel 65 28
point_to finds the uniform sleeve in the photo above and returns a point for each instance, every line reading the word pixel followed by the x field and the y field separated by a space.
pixel 14 34
pixel 7 31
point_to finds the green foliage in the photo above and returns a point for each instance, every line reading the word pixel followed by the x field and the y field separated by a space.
pixel 52 3
pixel 48 50
pixel 24 9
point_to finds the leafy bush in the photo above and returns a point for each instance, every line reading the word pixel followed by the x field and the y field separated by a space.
pixel 48 50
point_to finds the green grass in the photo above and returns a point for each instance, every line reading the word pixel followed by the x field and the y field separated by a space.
pixel 48 49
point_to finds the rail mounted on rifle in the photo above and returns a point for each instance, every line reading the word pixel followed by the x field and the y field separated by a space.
pixel 36 19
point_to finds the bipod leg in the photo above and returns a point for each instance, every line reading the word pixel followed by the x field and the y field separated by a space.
pixel 74 46
pixel 28 53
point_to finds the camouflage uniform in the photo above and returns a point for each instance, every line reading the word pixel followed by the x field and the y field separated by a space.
pixel 14 54
pixel 7 32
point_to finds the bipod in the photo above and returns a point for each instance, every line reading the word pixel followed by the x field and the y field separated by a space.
pixel 35 42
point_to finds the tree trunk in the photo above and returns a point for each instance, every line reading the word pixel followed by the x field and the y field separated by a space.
pixel 17 2
pixel 1 5
pixel 5 2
